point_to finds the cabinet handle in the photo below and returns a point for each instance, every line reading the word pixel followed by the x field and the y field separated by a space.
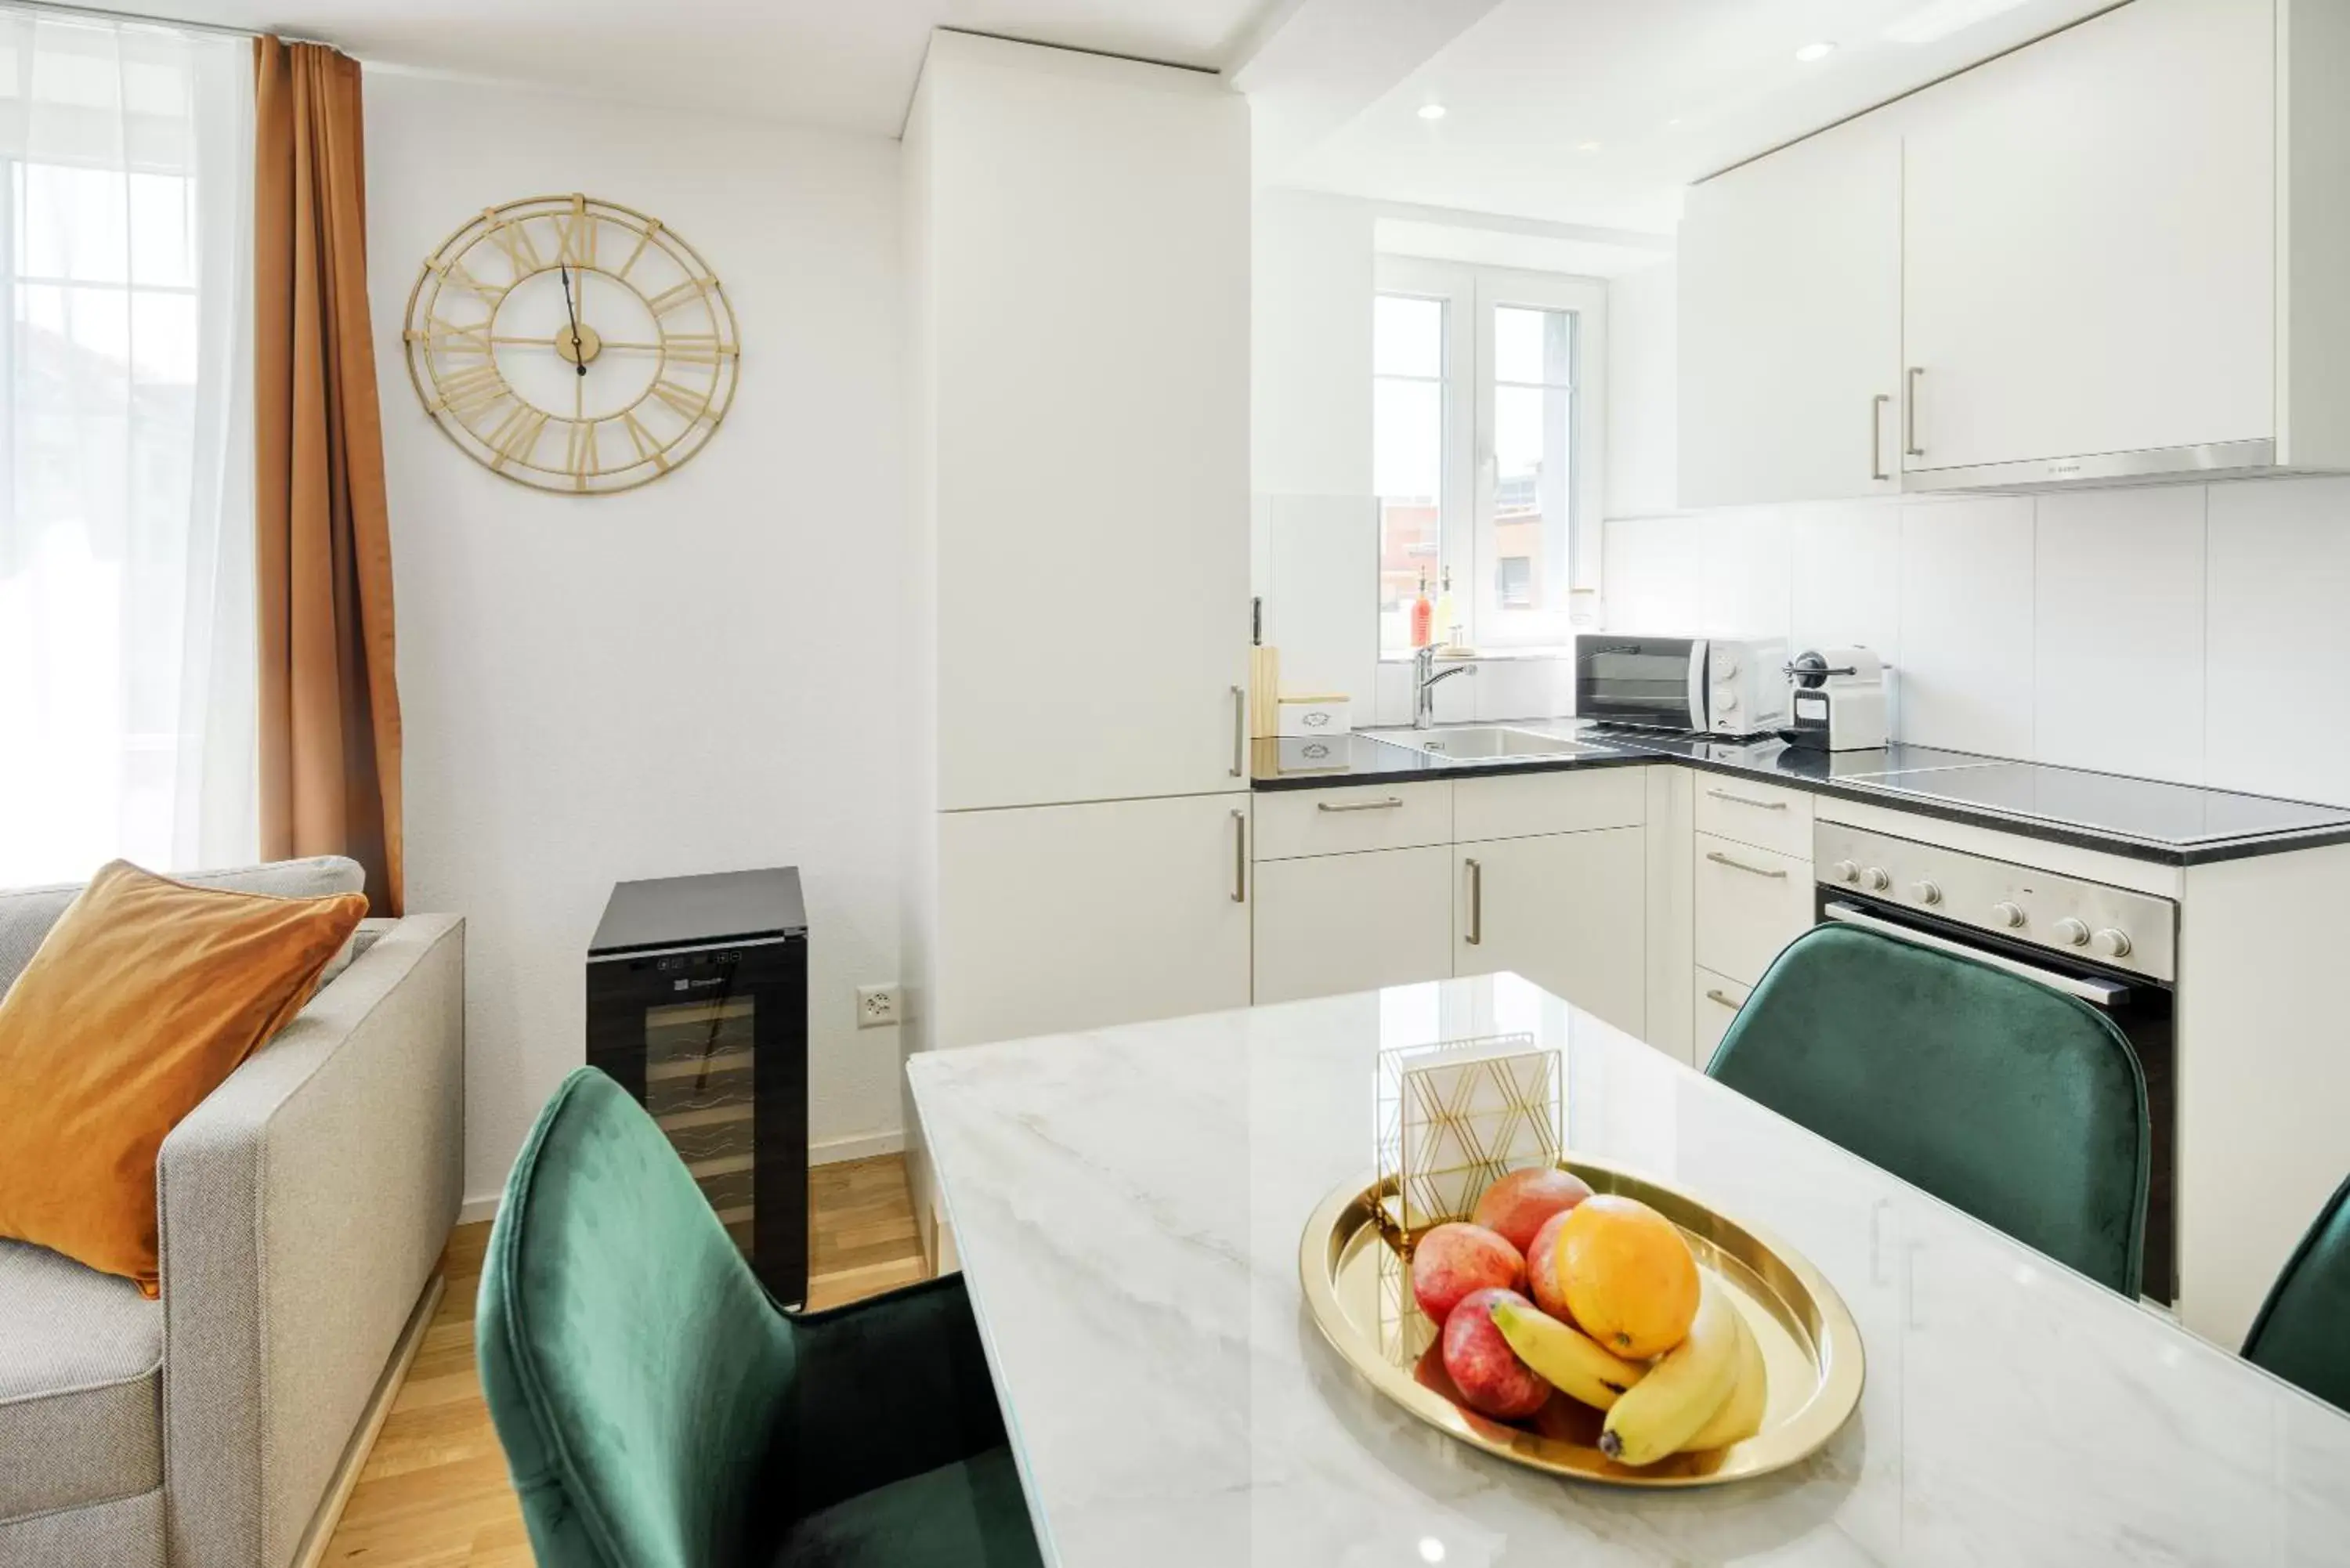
pixel 1877 436
pixel 1722 997
pixel 1743 800
pixel 1240 855
pixel 1240 730
pixel 1476 903
pixel 1389 803
pixel 1718 858
pixel 1910 414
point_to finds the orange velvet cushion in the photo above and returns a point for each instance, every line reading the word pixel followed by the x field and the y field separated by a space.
pixel 145 996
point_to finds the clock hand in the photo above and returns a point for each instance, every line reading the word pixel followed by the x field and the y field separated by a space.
pixel 571 310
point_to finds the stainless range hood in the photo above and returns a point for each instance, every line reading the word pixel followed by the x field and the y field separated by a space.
pixel 2155 465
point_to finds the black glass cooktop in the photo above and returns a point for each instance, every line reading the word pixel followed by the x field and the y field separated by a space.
pixel 2179 814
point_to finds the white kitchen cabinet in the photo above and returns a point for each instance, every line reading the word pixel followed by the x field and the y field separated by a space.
pixel 1751 903
pixel 1715 999
pixel 1070 917
pixel 1566 910
pixel 1790 333
pixel 1336 923
pixel 1082 228
pixel 2089 247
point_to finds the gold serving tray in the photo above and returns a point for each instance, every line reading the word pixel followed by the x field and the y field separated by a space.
pixel 1354 1265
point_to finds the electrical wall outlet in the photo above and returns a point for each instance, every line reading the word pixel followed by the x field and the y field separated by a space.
pixel 876 1005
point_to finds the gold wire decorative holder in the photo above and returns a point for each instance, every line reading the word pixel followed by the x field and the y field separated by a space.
pixel 1456 1117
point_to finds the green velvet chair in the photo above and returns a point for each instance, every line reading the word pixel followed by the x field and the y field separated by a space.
pixel 658 1411
pixel 2302 1334
pixel 2020 1104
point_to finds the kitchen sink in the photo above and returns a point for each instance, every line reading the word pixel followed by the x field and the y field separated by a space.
pixel 1486 744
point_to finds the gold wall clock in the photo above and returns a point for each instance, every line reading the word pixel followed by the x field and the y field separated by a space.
pixel 572 345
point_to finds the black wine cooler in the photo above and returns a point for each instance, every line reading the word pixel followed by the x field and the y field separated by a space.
pixel 697 1005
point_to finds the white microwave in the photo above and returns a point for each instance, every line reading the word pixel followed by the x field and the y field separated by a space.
pixel 1734 687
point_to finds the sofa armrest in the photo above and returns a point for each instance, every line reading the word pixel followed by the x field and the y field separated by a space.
pixel 302 1207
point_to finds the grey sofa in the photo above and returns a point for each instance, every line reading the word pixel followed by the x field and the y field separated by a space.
pixel 302 1209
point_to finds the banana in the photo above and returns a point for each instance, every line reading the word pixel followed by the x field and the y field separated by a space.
pixel 1568 1360
pixel 1683 1390
pixel 1740 1416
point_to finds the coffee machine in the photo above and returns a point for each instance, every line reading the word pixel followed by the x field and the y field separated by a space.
pixel 1838 701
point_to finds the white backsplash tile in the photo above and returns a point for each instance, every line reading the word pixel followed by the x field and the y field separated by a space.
pixel 1515 689
pixel 1394 694
pixel 1716 574
pixel 2278 631
pixel 1322 593
pixel 1846 587
pixel 1966 633
pixel 2118 619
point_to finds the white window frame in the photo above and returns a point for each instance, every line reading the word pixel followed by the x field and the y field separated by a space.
pixel 1470 295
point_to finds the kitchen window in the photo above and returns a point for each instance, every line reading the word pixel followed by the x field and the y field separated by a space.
pixel 1484 448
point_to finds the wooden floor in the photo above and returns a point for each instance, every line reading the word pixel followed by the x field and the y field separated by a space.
pixel 434 1493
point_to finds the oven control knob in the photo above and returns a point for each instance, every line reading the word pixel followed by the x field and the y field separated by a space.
pixel 1725 665
pixel 1725 700
pixel 1846 871
pixel 2007 914
pixel 1925 891
pixel 1875 879
pixel 2111 942
pixel 2072 932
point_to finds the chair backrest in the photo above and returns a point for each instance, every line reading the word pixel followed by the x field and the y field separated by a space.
pixel 2302 1334
pixel 634 1366
pixel 2020 1104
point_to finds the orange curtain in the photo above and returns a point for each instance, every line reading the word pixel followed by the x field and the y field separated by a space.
pixel 329 703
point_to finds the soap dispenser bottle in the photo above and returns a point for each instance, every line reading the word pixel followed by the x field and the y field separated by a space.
pixel 1447 621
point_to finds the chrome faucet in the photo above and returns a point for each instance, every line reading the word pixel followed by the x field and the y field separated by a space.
pixel 1424 677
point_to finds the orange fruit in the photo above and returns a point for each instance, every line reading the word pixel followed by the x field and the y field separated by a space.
pixel 1628 1276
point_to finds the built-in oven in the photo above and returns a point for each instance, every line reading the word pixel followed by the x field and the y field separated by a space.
pixel 2113 947
pixel 1731 686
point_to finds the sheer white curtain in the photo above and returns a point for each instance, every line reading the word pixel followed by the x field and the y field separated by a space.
pixel 127 682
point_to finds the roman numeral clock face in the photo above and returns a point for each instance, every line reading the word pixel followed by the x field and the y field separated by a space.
pixel 572 345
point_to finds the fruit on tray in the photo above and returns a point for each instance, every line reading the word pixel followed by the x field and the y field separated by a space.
pixel 1629 1280
pixel 1683 1391
pixel 1516 1207
pixel 1740 1416
pixel 1568 1359
pixel 1542 1268
pixel 1490 1376
pixel 1453 1260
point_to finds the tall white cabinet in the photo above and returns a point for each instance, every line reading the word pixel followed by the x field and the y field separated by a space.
pixel 1077 821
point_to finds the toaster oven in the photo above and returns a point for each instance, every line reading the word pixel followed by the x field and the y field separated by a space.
pixel 1731 686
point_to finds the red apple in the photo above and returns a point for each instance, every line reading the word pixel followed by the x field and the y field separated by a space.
pixel 1453 1260
pixel 1542 1268
pixel 1484 1368
pixel 1515 1207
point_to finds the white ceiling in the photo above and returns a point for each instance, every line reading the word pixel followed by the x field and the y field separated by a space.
pixel 1588 112
pixel 847 64
pixel 1597 112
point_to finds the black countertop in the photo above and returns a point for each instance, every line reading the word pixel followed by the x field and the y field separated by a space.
pixel 2144 819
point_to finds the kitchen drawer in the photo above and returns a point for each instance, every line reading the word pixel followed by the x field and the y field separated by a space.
pixel 1332 923
pixel 1530 804
pixel 1716 1002
pixel 1294 823
pixel 1750 902
pixel 1765 815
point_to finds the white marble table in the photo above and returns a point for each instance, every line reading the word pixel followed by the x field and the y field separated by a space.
pixel 1127 1204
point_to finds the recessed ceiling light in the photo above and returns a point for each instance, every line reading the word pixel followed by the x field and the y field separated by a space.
pixel 1586 147
pixel 1431 111
pixel 1819 51
pixel 1944 17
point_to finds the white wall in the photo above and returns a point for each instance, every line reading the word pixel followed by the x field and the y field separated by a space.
pixel 2185 632
pixel 695 676
pixel 1643 371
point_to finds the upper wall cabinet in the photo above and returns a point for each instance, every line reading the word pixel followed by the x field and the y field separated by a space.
pixel 2118 253
pixel 1791 323
pixel 2088 264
